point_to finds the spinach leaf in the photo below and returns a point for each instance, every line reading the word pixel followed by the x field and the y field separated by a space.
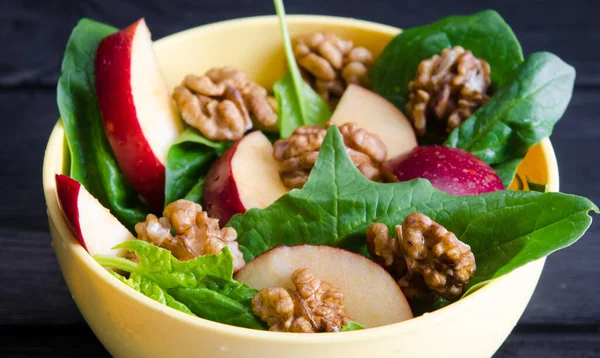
pixel 297 102
pixel 204 285
pixel 214 306
pixel 521 113
pixel 188 160
pixel 151 289
pixel 507 170
pixel 486 34
pixel 505 229
pixel 196 194
pixel 542 188
pixel 93 163
pixel 352 326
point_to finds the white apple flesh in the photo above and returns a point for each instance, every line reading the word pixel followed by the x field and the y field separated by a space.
pixel 96 229
pixel 376 115
pixel 372 297
pixel 246 176
pixel 138 114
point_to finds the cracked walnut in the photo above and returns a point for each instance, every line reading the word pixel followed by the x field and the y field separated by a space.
pixel 427 259
pixel 330 63
pixel 315 305
pixel 299 152
pixel 219 103
pixel 188 232
pixel 448 88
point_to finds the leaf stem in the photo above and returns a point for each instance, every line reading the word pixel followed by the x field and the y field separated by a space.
pixel 289 52
pixel 109 261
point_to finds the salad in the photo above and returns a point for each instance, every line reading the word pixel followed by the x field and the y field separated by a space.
pixel 356 178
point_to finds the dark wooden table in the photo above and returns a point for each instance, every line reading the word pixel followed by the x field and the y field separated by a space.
pixel 38 316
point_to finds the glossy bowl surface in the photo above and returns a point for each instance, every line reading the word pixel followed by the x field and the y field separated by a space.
pixel 131 325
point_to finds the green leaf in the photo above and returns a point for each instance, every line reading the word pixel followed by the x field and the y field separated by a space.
pixel 205 284
pixel 169 272
pixel 214 306
pixel 93 163
pixel 507 170
pixel 505 229
pixel 520 114
pixel 520 183
pixel 352 326
pixel 297 102
pixel 196 193
pixel 485 33
pixel 188 161
pixel 542 188
pixel 151 289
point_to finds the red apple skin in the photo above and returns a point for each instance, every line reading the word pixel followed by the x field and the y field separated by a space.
pixel 68 194
pixel 221 197
pixel 143 169
pixel 452 170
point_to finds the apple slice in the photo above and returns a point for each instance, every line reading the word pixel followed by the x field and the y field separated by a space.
pixel 371 295
pixel 452 170
pixel 376 115
pixel 246 176
pixel 138 114
pixel 96 229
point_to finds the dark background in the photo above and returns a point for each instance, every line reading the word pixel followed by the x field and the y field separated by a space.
pixel 38 316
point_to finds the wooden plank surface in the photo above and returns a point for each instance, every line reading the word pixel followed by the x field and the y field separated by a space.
pixel 38 30
pixel 27 119
pixel 78 341
pixel 37 314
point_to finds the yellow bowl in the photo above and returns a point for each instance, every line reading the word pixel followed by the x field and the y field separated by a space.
pixel 130 324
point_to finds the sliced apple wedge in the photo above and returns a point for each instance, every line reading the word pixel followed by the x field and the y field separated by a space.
pixel 452 170
pixel 246 176
pixel 371 295
pixel 376 115
pixel 96 229
pixel 138 114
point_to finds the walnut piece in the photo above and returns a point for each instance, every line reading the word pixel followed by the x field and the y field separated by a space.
pixel 448 88
pixel 188 232
pixel 385 249
pixel 329 64
pixel 220 102
pixel 425 258
pixel 415 289
pixel 315 306
pixel 445 263
pixel 158 232
pixel 298 153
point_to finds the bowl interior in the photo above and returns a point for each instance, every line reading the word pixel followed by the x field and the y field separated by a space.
pixel 254 45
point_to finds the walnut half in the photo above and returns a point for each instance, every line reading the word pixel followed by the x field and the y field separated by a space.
pixel 188 232
pixel 448 88
pixel 385 249
pixel 219 103
pixel 428 259
pixel 330 63
pixel 435 253
pixel 299 152
pixel 315 306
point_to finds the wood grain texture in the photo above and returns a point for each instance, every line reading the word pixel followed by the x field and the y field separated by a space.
pixel 27 119
pixel 550 345
pixel 34 33
pixel 37 314
pixel 78 341
pixel 33 289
